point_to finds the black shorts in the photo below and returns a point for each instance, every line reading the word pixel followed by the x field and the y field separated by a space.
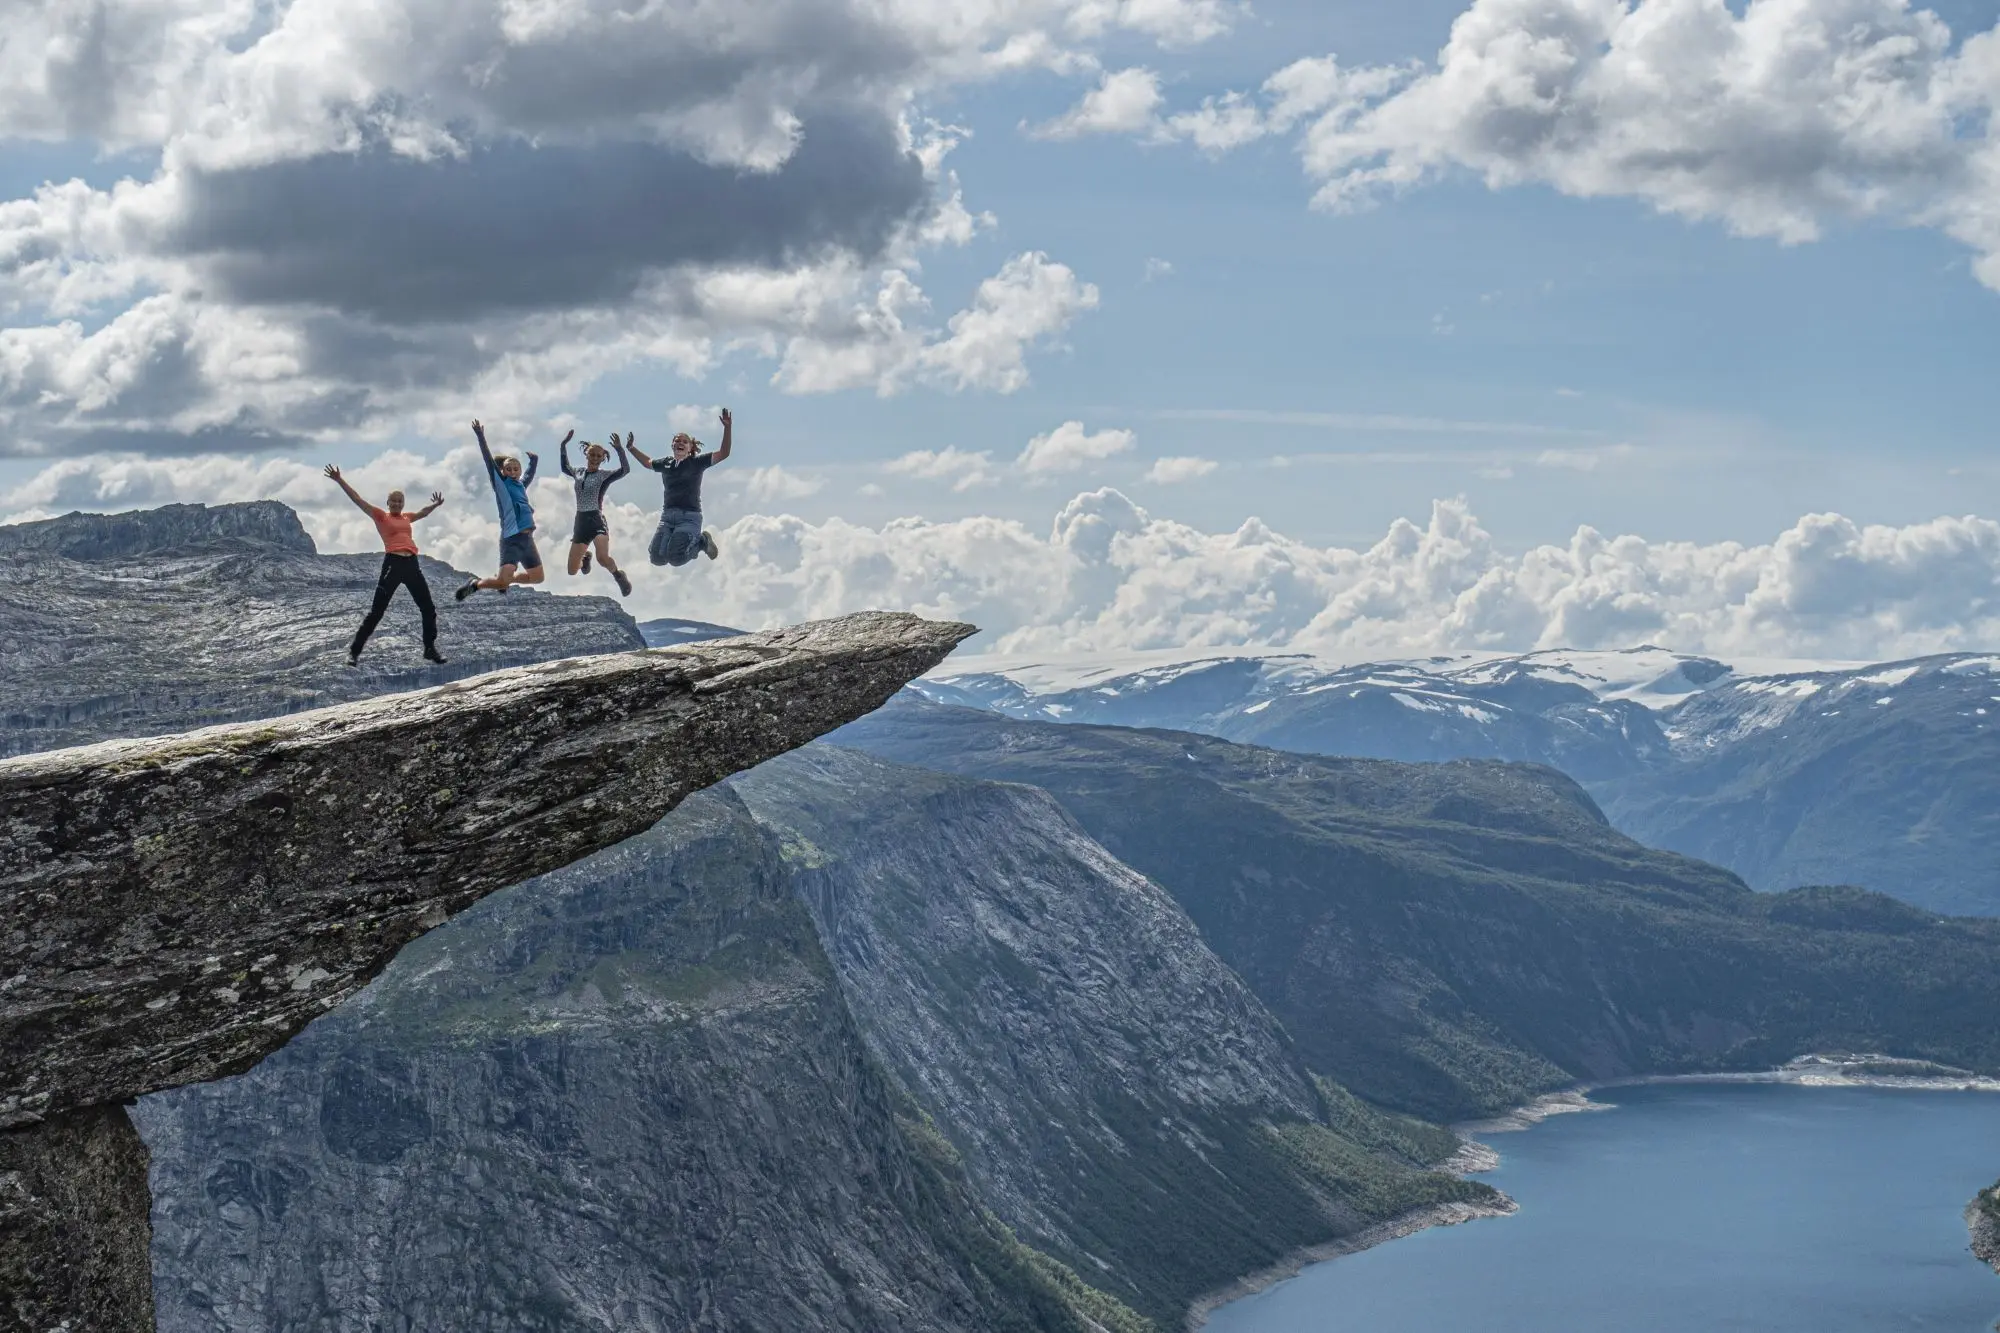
pixel 590 525
pixel 519 550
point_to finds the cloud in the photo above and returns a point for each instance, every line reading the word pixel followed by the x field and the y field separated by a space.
pixel 1107 575
pixel 776 485
pixel 875 344
pixel 1171 471
pixel 1775 118
pixel 964 469
pixel 1070 448
pixel 1158 269
pixel 1125 101
pixel 340 215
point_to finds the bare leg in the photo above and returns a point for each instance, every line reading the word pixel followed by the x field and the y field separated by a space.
pixel 603 544
pixel 535 575
pixel 500 581
pixel 576 550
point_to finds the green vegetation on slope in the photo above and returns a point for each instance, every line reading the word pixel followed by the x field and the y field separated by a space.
pixel 1450 940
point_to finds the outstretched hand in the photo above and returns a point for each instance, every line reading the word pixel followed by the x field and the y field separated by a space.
pixel 614 439
pixel 724 418
pixel 332 472
pixel 437 498
pixel 478 429
pixel 567 438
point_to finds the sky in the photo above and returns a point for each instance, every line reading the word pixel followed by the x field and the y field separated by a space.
pixel 1103 323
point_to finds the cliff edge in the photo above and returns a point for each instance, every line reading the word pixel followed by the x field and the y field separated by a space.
pixel 174 909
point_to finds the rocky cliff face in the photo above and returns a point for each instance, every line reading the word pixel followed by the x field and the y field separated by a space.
pixel 1119 1096
pixel 120 625
pixel 625 1096
pixel 172 910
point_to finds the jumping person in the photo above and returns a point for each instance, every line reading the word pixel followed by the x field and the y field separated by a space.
pixel 591 484
pixel 680 533
pixel 517 520
pixel 400 568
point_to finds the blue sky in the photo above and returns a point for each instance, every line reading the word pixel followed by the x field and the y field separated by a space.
pixel 1555 361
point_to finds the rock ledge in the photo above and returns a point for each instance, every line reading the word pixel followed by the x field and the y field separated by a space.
pixel 174 909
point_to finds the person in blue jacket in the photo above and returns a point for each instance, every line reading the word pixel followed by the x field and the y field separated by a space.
pixel 520 562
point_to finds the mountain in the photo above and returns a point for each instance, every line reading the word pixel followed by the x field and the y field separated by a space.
pixel 1884 776
pixel 1592 714
pixel 1450 939
pixel 624 1096
pixel 637 1094
pixel 1116 1093
pixel 164 619
pixel 1887 776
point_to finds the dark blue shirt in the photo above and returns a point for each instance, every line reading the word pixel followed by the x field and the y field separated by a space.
pixel 683 479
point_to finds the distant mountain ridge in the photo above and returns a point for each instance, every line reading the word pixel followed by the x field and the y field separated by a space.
pixel 1884 775
pixel 166 530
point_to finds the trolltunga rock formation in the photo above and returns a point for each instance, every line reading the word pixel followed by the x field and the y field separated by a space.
pixel 173 910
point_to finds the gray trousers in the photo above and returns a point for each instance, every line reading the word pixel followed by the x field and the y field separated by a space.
pixel 678 538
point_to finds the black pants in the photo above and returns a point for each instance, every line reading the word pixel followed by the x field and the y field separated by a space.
pixel 400 571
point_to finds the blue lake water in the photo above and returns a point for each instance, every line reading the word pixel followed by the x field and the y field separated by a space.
pixel 1692 1208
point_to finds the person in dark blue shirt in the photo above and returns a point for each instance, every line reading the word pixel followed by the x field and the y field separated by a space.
pixel 520 562
pixel 680 534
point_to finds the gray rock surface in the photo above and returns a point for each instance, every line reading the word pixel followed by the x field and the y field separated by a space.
pixel 1110 1083
pixel 73 1226
pixel 121 625
pixel 625 1096
pixel 1982 1224
pixel 173 910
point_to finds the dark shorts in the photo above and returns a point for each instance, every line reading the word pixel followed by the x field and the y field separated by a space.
pixel 519 550
pixel 590 525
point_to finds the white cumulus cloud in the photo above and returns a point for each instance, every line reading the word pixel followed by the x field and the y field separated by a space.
pixel 1774 118
pixel 1169 471
pixel 1108 575
pixel 965 469
pixel 1071 448
pixel 669 184
pixel 1125 101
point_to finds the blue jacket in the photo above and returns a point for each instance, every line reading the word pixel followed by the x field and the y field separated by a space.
pixel 516 514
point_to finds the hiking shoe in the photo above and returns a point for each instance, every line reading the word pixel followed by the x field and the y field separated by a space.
pixel 624 584
pixel 586 562
pixel 433 655
pixel 466 589
pixel 708 544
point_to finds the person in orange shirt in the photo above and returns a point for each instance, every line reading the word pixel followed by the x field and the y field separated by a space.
pixel 399 567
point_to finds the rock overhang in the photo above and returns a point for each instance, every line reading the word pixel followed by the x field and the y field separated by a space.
pixel 174 909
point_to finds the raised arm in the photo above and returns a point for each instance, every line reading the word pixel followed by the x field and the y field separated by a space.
pixel 624 463
pixel 437 498
pixel 534 461
pixel 352 494
pixel 728 428
pixel 632 443
pixel 479 433
pixel 562 457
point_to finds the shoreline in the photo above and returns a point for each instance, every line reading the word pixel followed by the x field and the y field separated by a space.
pixel 1379 1233
pixel 1984 1232
pixel 1475 1158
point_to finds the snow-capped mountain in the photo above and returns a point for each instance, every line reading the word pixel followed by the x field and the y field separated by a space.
pixel 1596 715
pixel 1788 772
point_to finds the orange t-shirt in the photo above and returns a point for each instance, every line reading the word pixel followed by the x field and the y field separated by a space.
pixel 397 539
